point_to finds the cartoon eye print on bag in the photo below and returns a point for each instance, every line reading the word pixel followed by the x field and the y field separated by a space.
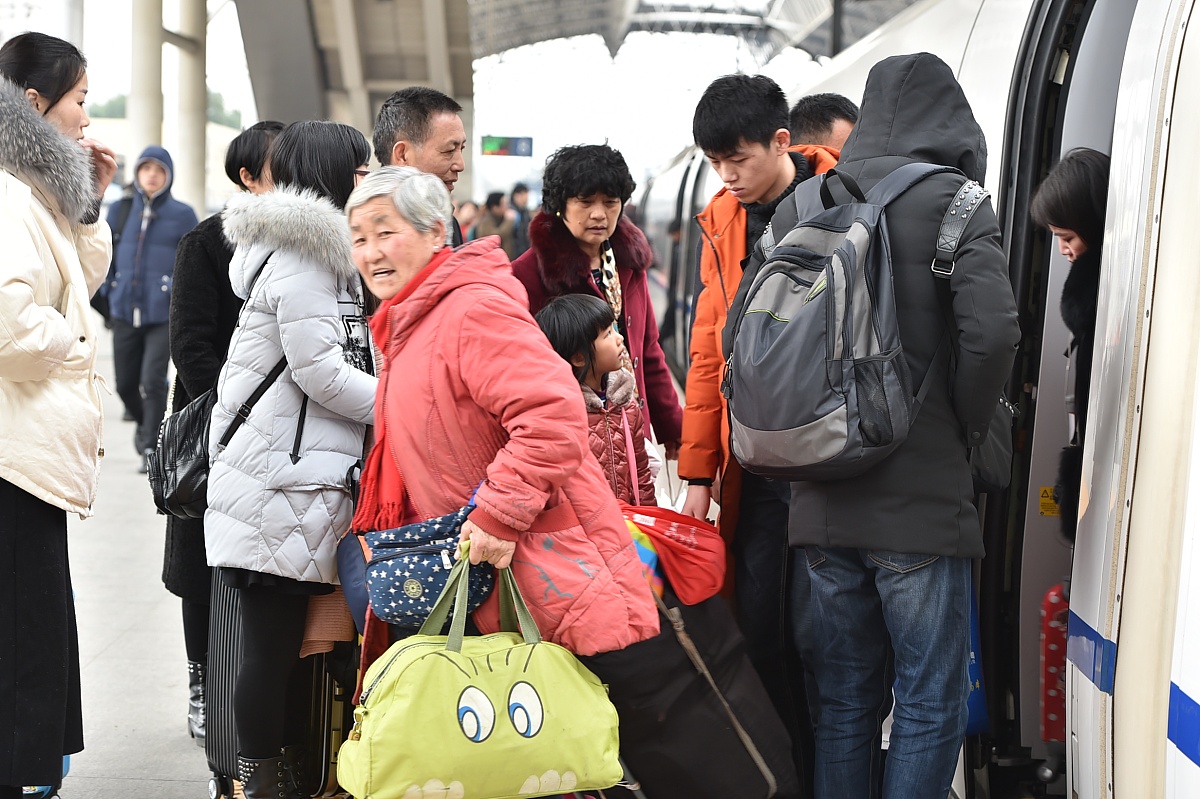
pixel 525 710
pixel 477 714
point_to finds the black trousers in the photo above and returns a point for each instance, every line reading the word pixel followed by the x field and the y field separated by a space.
pixel 140 359
pixel 40 714
pixel 770 608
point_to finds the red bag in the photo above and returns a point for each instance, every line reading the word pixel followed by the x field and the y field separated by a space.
pixel 691 550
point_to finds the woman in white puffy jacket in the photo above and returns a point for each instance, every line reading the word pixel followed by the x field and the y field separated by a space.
pixel 55 254
pixel 278 491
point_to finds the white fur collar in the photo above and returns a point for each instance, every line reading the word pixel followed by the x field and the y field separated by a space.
pixel 294 220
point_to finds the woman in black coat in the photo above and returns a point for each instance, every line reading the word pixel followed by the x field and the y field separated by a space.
pixel 204 312
pixel 1071 203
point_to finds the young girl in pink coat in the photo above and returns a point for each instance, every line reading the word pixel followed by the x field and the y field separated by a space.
pixel 580 329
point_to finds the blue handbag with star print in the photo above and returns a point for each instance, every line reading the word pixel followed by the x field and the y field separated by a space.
pixel 410 565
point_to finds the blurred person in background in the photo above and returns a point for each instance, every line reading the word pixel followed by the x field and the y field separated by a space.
pixel 497 220
pixel 204 312
pixel 56 254
pixel 139 292
pixel 465 215
pixel 518 201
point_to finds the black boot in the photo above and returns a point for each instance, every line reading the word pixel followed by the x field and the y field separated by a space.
pixel 196 701
pixel 264 779
pixel 294 758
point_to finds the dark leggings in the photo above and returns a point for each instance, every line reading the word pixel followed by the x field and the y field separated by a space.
pixel 195 630
pixel 272 632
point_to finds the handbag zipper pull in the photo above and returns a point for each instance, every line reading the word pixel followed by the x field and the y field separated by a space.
pixel 449 564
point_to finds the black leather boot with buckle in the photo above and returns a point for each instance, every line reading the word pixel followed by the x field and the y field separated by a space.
pixel 264 778
pixel 196 701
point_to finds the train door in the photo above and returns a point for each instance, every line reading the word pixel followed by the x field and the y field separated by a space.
pixel 1063 96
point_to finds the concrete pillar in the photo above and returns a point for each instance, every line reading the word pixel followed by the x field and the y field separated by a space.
pixel 145 95
pixel 75 22
pixel 191 159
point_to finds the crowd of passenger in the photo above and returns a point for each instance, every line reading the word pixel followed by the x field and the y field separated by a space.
pixel 511 357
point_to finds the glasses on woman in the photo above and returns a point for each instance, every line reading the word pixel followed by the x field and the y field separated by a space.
pixel 362 173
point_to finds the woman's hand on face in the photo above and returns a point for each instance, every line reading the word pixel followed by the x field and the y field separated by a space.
pixel 104 161
pixel 485 547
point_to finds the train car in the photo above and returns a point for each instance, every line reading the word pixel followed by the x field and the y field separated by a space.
pixel 1043 77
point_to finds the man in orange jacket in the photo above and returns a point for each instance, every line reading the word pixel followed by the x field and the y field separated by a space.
pixel 741 124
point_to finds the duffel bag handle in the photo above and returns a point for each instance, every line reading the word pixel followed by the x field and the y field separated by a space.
pixel 514 613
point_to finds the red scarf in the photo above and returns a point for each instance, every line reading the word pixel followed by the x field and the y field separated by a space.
pixel 382 501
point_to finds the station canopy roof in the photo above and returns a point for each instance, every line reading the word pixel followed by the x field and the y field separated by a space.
pixel 341 58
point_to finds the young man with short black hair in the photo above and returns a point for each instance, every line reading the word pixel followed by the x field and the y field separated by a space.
pixel 826 119
pixel 420 127
pixel 741 124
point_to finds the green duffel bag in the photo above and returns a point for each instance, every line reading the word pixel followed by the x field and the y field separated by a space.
pixel 479 717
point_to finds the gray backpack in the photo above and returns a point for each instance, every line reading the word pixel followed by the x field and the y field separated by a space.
pixel 816 379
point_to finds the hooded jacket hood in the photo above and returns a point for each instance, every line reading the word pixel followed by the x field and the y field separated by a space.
pixel 478 263
pixel 160 156
pixel 289 219
pixel 913 107
pixel 37 152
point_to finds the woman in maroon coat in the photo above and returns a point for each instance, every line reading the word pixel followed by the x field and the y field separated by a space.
pixel 581 244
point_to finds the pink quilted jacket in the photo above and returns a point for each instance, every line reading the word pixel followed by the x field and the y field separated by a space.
pixel 618 439
pixel 472 392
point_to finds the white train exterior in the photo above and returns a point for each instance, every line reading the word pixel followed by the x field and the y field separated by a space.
pixel 1043 77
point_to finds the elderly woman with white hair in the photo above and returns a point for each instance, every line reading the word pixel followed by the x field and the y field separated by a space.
pixel 473 395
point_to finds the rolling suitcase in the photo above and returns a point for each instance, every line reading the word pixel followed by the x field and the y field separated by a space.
pixel 323 684
pixel 696 721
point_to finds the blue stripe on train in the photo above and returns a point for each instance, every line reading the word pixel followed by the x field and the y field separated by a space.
pixel 1183 724
pixel 1093 654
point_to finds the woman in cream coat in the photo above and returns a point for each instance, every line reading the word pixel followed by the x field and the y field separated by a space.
pixel 55 255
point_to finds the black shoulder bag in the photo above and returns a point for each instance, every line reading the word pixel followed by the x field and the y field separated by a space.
pixel 178 467
pixel 991 459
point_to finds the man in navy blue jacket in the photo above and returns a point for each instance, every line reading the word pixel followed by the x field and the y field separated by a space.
pixel 139 291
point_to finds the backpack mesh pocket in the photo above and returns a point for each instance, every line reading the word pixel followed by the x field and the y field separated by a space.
pixel 874 414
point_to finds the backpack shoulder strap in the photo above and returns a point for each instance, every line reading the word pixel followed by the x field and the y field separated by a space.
pixel 964 205
pixel 970 196
pixel 902 179
pixel 124 208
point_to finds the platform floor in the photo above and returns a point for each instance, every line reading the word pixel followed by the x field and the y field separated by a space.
pixel 134 669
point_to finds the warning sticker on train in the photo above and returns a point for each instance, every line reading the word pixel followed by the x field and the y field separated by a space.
pixel 1046 504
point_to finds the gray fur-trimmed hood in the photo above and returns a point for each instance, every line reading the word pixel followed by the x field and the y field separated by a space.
pixel 37 152
pixel 299 221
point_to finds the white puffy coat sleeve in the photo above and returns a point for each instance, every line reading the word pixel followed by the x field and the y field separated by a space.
pixel 311 333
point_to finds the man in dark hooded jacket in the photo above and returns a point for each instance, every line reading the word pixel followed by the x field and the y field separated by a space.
pixel 889 551
pixel 139 291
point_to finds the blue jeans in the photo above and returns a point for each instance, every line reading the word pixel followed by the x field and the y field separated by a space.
pixel 882 622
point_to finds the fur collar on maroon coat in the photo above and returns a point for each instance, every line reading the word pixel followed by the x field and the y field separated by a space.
pixel 564 268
